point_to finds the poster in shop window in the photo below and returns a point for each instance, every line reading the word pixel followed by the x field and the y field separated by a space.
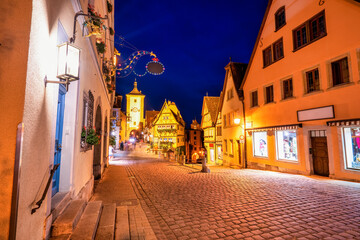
pixel 286 145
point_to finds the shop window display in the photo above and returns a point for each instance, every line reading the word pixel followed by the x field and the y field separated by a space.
pixel 352 147
pixel 286 145
pixel 260 144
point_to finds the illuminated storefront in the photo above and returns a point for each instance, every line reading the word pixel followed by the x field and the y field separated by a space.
pixel 260 148
pixel 351 141
pixel 286 145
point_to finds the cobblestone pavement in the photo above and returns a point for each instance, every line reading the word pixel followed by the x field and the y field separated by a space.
pixel 182 203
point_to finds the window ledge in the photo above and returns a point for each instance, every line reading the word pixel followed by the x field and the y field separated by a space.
pixel 297 162
pixel 253 107
pixel 273 62
pixel 269 103
pixel 277 29
pixel 287 99
pixel 230 155
pixel 261 157
pixel 340 86
pixel 310 42
pixel 313 93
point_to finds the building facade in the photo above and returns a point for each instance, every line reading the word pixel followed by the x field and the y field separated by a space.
pixel 134 110
pixel 300 89
pixel 116 122
pixel 169 127
pixel 230 107
pixel 218 138
pixel 46 122
pixel 149 119
pixel 208 122
pixel 193 142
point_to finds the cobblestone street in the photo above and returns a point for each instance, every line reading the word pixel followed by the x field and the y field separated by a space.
pixel 182 203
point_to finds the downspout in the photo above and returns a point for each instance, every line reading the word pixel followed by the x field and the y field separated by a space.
pixel 245 151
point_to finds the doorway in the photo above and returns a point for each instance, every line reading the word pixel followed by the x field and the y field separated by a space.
pixel 97 147
pixel 105 148
pixel 58 138
pixel 319 152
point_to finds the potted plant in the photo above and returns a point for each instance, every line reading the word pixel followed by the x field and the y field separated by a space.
pixel 109 7
pixel 100 46
pixel 92 138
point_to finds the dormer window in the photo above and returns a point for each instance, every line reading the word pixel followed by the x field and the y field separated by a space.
pixel 280 18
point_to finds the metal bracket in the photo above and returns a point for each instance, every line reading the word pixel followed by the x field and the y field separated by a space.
pixel 65 82
pixel 81 13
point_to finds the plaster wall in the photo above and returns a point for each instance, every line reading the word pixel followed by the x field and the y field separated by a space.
pixel 342 40
pixel 13 67
pixel 232 131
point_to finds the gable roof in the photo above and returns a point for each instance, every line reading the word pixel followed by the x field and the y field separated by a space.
pixel 256 42
pixel 174 111
pixel 212 105
pixel 150 116
pixel 237 71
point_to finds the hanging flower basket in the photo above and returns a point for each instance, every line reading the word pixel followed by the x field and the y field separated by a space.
pixel 109 7
pixel 100 46
pixel 111 30
pixel 96 25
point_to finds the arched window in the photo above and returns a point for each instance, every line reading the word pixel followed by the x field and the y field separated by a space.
pixel 280 19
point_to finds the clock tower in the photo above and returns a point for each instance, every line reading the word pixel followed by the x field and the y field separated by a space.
pixel 134 110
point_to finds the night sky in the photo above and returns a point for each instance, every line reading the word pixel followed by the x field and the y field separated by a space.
pixel 193 39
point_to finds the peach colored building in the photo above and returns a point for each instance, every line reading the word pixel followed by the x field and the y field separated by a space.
pixel 230 107
pixel 193 142
pixel 208 122
pixel 302 90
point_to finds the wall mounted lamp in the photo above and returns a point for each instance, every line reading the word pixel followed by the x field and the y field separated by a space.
pixel 68 65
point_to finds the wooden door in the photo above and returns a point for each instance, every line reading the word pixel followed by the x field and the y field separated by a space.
pixel 320 156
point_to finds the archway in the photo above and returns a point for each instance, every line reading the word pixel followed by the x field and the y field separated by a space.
pixel 97 147
pixel 105 146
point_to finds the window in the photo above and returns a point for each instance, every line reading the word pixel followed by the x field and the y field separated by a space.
pixel 194 137
pixel 260 144
pixel 340 72
pixel 267 56
pixel 278 50
pixel 218 131
pixel 194 143
pixel 280 18
pixel 310 31
pixel 230 94
pixel 269 94
pixel 273 53
pixel 231 147
pixel 312 81
pixel 286 145
pixel 195 148
pixel 224 120
pixel 351 138
pixel 225 146
pixel 254 99
pixel 87 123
pixel 135 100
pixel 287 88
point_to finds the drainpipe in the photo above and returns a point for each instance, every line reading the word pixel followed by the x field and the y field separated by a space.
pixel 243 108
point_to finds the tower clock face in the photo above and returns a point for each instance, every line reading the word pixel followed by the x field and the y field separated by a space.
pixel 135 109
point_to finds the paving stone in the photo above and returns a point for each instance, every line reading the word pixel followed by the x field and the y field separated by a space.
pixel 248 203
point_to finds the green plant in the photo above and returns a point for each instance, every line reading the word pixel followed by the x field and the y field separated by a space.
pixel 100 46
pixel 109 6
pixel 92 138
pixel 112 141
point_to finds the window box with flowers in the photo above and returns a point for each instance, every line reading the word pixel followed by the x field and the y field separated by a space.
pixel 89 136
pixel 95 24
pixel 100 47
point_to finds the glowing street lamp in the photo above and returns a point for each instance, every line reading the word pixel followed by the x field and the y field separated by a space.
pixel 68 65
pixel 237 121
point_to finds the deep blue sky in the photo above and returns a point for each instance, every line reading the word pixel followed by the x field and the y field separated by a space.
pixel 193 39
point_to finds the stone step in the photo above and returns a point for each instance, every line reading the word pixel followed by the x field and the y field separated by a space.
pixel 68 220
pixel 106 227
pixel 59 203
pixel 122 230
pixel 86 229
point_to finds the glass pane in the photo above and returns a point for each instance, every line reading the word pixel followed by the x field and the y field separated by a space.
pixel 72 66
pixel 286 145
pixel 260 144
pixel 352 147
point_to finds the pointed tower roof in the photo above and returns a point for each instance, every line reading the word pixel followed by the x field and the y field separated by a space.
pixel 135 91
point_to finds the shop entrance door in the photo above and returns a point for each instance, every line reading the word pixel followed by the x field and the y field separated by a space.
pixel 320 155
